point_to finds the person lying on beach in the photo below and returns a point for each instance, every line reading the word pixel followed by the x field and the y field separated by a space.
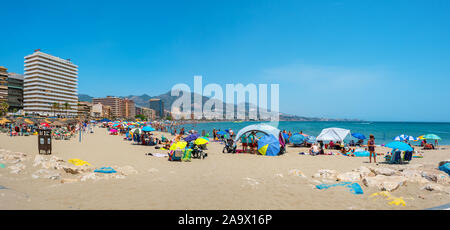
pixel 314 150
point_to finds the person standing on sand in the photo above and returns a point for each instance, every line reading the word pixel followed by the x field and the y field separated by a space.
pixel 371 147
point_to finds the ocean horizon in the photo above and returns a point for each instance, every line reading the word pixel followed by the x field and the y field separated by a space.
pixel 384 131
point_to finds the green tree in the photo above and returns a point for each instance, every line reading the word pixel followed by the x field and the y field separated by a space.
pixel 4 108
pixel 141 117
pixel 66 107
pixel 55 107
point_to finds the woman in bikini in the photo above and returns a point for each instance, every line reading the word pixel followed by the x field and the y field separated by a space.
pixel 371 147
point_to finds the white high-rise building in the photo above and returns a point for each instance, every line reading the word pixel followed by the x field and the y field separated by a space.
pixel 50 85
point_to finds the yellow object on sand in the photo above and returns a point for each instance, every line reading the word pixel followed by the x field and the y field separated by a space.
pixel 395 200
pixel 178 145
pixel 78 162
pixel 398 201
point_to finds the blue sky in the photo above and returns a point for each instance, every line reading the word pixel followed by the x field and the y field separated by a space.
pixel 372 60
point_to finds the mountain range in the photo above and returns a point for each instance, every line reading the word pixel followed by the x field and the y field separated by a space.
pixel 168 100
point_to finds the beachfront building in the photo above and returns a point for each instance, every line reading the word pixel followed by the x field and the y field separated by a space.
pixel 84 109
pixel 15 92
pixel 129 108
pixel 147 112
pixel 100 110
pixel 115 103
pixel 157 105
pixel 3 84
pixel 50 81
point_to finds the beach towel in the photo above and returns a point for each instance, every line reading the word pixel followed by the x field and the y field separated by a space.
pixel 355 188
pixel 105 170
pixel 78 162
pixel 2 166
pixel 445 167
pixel 187 155
pixel 157 154
pixel 362 154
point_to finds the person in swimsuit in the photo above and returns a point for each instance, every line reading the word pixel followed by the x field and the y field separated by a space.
pixel 371 148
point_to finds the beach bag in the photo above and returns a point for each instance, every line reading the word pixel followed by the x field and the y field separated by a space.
pixel 176 155
pixel 187 155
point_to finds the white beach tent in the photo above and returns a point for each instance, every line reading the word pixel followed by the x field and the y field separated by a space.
pixel 267 129
pixel 333 134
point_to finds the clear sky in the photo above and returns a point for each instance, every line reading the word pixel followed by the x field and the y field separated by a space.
pixel 372 60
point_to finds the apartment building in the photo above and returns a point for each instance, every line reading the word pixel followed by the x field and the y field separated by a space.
pixel 115 103
pixel 157 105
pixel 100 110
pixel 15 92
pixel 48 81
pixel 129 108
pixel 3 84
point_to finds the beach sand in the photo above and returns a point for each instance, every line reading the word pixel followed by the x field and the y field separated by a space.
pixel 221 181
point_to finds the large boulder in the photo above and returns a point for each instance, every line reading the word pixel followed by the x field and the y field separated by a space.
pixel 364 171
pixel 349 176
pixel 46 174
pixel 436 176
pixel 17 168
pixel 384 183
pixel 383 171
pixel 414 176
pixel 325 173
pixel 296 172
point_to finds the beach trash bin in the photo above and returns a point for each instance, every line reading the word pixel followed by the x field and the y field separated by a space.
pixel 45 141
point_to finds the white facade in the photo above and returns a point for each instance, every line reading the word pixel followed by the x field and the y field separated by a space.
pixel 48 80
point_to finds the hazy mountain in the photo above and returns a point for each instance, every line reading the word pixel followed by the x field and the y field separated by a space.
pixel 168 100
pixel 84 97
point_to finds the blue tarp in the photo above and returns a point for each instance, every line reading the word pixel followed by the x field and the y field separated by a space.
pixel 105 170
pixel 355 188
pixel 445 167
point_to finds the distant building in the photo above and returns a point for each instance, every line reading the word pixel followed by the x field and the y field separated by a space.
pixel 3 84
pixel 84 109
pixel 115 103
pixel 15 92
pixel 129 108
pixel 101 111
pixel 157 105
pixel 49 80
pixel 147 112
pixel 120 108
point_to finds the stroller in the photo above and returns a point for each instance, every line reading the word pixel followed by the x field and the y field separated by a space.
pixel 197 151
pixel 229 146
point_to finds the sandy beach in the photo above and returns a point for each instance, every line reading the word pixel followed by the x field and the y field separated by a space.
pixel 220 181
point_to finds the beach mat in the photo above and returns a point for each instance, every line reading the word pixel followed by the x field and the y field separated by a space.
pixel 355 188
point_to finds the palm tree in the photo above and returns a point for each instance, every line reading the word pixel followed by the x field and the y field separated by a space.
pixel 66 107
pixel 55 107
pixel 4 108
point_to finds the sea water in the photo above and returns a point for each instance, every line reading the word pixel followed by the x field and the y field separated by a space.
pixel 383 132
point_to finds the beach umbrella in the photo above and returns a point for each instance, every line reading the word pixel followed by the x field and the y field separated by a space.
pixel 45 124
pixel 402 146
pixel 359 136
pixel 269 145
pixel 113 130
pixel 116 125
pixel 178 145
pixel 297 139
pixel 402 137
pixel 221 133
pixel 148 129
pixel 131 126
pixel 304 134
pixel 411 138
pixel 201 141
pixel 431 137
pixel 191 137
pixel 285 136
pixel 136 131
pixel 311 139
